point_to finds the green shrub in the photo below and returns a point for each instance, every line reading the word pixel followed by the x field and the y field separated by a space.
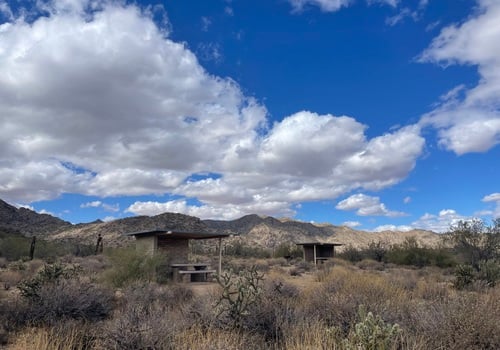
pixel 239 249
pixel 288 250
pixel 351 254
pixel 377 251
pixel 488 273
pixel 129 265
pixel 54 295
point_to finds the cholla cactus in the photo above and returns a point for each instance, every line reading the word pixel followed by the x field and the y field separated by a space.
pixel 239 293
pixel 372 333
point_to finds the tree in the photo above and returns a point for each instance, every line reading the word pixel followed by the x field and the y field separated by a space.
pixel 475 241
pixel 479 247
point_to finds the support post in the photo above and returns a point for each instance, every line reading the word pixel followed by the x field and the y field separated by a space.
pixel 219 271
pixel 315 262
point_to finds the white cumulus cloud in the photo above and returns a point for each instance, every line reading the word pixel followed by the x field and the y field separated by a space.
pixel 469 121
pixel 324 5
pixel 366 206
pixel 351 224
pixel 96 99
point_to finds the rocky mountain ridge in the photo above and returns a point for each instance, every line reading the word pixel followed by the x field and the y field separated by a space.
pixel 267 232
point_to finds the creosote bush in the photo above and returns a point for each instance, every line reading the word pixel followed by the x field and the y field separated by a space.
pixel 408 253
pixel 129 266
pixel 56 294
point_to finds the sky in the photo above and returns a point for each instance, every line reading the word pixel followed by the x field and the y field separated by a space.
pixel 373 114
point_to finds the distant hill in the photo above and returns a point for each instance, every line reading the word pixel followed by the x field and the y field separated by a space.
pixel 270 232
pixel 254 230
pixel 29 222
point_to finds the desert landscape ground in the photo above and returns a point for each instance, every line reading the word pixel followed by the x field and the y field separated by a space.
pixel 378 296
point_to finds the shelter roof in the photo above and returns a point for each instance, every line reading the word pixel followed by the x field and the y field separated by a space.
pixel 326 244
pixel 174 234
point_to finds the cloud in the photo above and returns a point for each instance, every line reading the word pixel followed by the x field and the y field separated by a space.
pixel 401 16
pixel 440 222
pixel 104 103
pixel 221 212
pixel 5 10
pixel 113 95
pixel 477 109
pixel 351 224
pixel 494 197
pixel 94 204
pixel 209 52
pixel 403 228
pixel 366 206
pixel 407 200
pixel 437 223
pixel 393 3
pixel 206 22
pixel 99 204
pixel 324 5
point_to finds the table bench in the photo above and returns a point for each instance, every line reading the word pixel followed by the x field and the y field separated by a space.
pixel 197 275
pixel 198 272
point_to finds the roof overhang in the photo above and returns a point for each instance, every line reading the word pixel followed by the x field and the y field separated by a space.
pixel 321 244
pixel 173 234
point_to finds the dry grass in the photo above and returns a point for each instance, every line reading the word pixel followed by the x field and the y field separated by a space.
pixel 198 338
pixel 69 336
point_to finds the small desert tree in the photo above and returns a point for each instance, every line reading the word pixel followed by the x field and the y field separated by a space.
pixel 478 245
pixel 475 241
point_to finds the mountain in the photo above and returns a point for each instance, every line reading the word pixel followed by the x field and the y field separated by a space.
pixel 113 231
pixel 254 230
pixel 29 222
pixel 270 232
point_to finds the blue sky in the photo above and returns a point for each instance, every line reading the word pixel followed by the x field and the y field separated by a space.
pixel 375 114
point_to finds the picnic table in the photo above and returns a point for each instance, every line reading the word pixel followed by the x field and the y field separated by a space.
pixel 197 272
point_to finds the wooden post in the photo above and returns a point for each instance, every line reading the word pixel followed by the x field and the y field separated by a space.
pixel 314 254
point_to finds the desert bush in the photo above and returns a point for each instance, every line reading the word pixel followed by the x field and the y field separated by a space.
pixel 129 266
pixel 240 249
pixel 376 251
pixel 369 264
pixel 467 320
pixel 62 300
pixel 10 278
pixel 56 294
pixel 14 247
pixel 351 254
pixel 273 311
pixel 487 274
pixel 149 317
pixel 288 251
pixel 464 276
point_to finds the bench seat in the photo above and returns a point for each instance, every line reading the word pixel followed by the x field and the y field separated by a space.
pixel 196 275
